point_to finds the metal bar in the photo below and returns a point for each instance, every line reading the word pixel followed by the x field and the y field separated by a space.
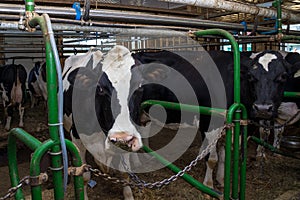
pixel 244 150
pixel 31 142
pixel 238 7
pixel 271 148
pixel 52 106
pixel 77 162
pixel 36 191
pixel 105 15
pixel 236 54
pixel 185 176
pixel 292 94
pixel 185 107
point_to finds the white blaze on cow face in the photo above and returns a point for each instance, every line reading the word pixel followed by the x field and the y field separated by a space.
pixel 266 59
pixel 117 66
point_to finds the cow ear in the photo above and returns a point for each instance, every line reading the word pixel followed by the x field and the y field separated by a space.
pixel 154 71
pixel 85 78
pixel 296 69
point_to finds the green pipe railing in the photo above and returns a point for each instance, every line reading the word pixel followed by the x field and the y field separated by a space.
pixel 292 94
pixel 272 148
pixel 236 57
pixel 232 116
pixel 185 107
pixel 53 144
pixel 52 105
pixel 185 176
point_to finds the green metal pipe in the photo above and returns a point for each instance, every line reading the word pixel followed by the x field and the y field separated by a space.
pixel 228 144
pixel 277 4
pixel 244 148
pixel 236 54
pixel 29 5
pixel 52 106
pixel 292 94
pixel 236 154
pixel 185 107
pixel 25 137
pixel 30 142
pixel 77 162
pixel 271 148
pixel 186 177
pixel 230 115
pixel 36 191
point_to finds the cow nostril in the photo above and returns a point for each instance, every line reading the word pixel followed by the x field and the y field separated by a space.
pixel 263 107
pixel 113 140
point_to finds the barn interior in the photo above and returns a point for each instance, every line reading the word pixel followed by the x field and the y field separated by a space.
pixel 140 24
pixel 149 24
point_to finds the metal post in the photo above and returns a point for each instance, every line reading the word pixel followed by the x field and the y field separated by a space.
pixel 53 107
pixel 232 111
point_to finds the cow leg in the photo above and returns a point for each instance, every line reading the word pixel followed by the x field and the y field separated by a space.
pixel 264 134
pixel 210 165
pixel 221 162
pixel 127 193
pixel 21 113
pixel 8 112
pixel 8 121
pixel 277 136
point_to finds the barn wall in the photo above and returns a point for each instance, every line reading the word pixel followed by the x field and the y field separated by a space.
pixel 29 47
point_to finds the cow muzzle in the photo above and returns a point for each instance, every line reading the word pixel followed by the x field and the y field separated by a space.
pixel 264 111
pixel 125 141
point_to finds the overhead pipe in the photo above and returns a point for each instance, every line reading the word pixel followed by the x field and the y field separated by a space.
pixel 238 7
pixel 129 17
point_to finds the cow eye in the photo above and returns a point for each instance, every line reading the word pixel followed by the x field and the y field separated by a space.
pixel 282 77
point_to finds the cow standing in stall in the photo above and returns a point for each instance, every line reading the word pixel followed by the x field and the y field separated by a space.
pixel 37 83
pixel 103 95
pixel 264 78
pixel 12 81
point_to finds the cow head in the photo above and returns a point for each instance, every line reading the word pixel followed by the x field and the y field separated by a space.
pixel 268 73
pixel 112 83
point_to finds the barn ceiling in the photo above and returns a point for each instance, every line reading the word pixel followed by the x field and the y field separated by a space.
pixel 108 17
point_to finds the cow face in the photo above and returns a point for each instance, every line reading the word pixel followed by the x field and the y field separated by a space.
pixel 268 74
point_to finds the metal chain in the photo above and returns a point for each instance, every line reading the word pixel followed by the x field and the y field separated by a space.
pixel 107 177
pixel 137 182
pixel 207 150
pixel 12 191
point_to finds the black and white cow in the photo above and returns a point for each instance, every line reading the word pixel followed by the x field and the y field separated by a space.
pixel 103 94
pixel 12 81
pixel 90 78
pixel 37 83
pixel 283 73
pixel 264 78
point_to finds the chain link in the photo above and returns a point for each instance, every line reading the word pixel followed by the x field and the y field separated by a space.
pixel 137 182
pixel 12 191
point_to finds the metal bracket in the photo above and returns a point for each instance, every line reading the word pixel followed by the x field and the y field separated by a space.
pixel 77 171
pixel 244 122
pixel 38 180
pixel 28 16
